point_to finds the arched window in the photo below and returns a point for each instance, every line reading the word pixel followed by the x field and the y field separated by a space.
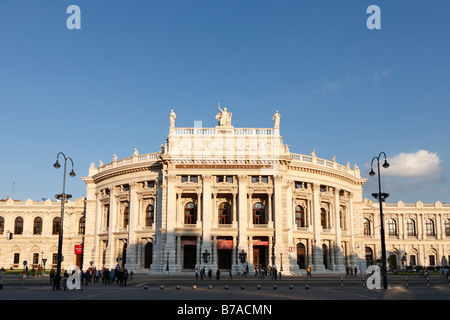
pixel 224 213
pixel 106 216
pixel 300 216
pixel 125 216
pixel 2 225
pixel 447 227
pixel 369 256
pixel 56 225
pixel 18 225
pixel 324 218
pixel 343 225
pixel 190 213
pixel 81 225
pixel 37 225
pixel 410 227
pixel 366 223
pixel 392 227
pixel 149 215
pixel 259 213
pixel 429 227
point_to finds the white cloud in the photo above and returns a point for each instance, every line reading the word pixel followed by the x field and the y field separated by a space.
pixel 422 164
pixel 380 75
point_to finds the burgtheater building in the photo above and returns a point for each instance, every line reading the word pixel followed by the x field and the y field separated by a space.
pixel 224 198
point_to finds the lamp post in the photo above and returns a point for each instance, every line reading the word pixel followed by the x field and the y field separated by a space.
pixel 63 198
pixel 381 198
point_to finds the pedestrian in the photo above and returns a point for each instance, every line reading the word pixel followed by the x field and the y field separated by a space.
pixel 308 271
pixel 218 274
pixel 231 275
pixel 125 277
pixel 66 276
pixel 356 270
pixel 52 275
pixel 209 273
pixel 56 282
pixel 2 281
pixel 131 275
pixel 196 274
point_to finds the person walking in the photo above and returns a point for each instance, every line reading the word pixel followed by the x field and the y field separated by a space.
pixel 2 281
pixel 308 271
pixel 66 276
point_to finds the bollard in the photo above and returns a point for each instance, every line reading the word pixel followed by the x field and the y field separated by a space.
pixel 178 287
pixel 161 286
pixel 274 286
pixel 210 287
pixel 307 286
pixel 242 287
pixel 291 286
pixel 226 287
pixel 259 287
pixel 194 287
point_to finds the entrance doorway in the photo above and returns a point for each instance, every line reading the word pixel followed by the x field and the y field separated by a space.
pixel 260 255
pixel 148 255
pixel 301 256
pixel 224 252
pixel 189 260
pixel 224 256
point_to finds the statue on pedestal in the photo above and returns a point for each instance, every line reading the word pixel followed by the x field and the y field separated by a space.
pixel 224 117
pixel 276 117
pixel 173 116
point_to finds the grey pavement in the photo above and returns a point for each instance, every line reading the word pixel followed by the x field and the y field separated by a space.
pixel 186 287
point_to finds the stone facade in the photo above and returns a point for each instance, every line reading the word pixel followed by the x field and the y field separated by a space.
pixel 224 198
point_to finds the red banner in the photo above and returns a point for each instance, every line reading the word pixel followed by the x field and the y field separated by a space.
pixel 78 249
pixel 188 242
pixel 224 244
pixel 260 243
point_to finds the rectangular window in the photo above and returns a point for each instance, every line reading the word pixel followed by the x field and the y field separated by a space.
pixel 298 185
pixel 412 260
pixel 16 258
pixel 256 179
pixel 189 179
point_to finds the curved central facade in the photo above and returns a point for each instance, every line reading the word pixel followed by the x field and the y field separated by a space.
pixel 223 198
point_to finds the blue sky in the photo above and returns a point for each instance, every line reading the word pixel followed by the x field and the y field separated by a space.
pixel 340 88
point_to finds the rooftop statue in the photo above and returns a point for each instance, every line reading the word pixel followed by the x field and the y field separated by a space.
pixel 173 116
pixel 224 117
pixel 276 117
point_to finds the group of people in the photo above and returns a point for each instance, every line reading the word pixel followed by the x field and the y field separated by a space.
pixel 351 271
pixel 273 272
pixel 119 276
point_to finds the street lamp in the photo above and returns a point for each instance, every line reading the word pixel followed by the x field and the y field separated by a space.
pixel 381 198
pixel 63 198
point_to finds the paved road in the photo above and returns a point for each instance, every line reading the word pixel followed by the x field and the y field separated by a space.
pixel 181 287
pixel 213 299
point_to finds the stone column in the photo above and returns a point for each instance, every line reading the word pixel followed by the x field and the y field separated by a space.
pixel 338 258
pixel 207 214
pixel 278 221
pixel 110 249
pixel 169 247
pixel 318 265
pixel 242 216
pixel 133 214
